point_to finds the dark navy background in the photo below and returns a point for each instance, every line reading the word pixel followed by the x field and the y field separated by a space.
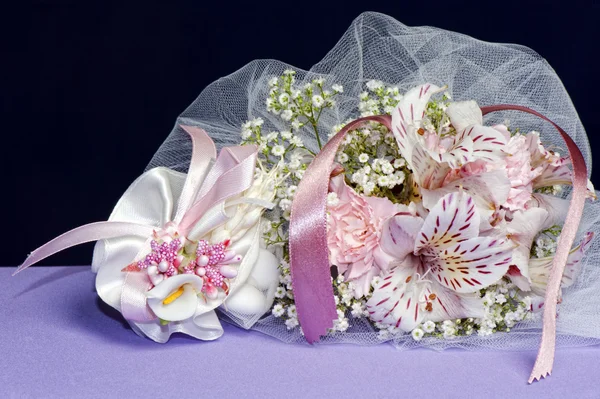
pixel 91 89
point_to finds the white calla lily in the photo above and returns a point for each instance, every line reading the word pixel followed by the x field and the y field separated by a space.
pixel 175 298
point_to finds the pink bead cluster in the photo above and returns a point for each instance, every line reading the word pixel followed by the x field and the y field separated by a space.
pixel 163 254
pixel 213 265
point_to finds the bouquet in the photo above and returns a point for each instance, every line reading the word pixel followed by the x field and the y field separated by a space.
pixel 371 199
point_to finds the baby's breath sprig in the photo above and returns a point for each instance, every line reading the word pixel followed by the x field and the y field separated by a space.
pixel 436 119
pixel 300 105
pixel 545 242
pixel 378 99
pixel 503 307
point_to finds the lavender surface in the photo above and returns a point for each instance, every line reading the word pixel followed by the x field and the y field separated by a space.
pixel 60 340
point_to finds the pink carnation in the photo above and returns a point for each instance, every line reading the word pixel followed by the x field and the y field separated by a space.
pixel 353 233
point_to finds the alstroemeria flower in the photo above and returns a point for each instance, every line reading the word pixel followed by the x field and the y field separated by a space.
pixel 442 263
pixel 429 155
pixel 353 233
pixel 471 159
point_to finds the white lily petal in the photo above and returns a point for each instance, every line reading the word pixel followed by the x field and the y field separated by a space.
pixel 407 114
pixel 555 206
pixel 523 228
pixel 463 114
pixel 395 301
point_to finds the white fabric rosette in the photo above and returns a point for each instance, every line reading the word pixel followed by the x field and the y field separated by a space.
pixel 152 199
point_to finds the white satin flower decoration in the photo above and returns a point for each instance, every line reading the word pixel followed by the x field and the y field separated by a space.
pixel 152 199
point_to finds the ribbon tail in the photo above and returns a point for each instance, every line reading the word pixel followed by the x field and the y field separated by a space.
pixel 203 152
pixel 86 233
pixel 309 255
pixel 133 298
pixel 545 358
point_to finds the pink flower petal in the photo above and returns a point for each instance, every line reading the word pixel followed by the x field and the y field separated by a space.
pixel 398 235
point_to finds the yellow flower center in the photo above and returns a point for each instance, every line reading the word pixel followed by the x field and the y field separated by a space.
pixel 173 296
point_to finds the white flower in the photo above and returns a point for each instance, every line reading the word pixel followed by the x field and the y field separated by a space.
pixel 291 323
pixel 319 81
pixel 280 292
pixel 358 310
pixel 429 326
pixel 387 167
pixel 291 190
pixel 272 136
pixel 417 334
pixel 246 133
pixel 368 187
pixel 297 141
pixel 383 181
pixel 399 176
pixel 342 157
pixel 296 124
pixel 337 88
pixel 286 135
pixel 289 72
pixel 332 199
pixel 284 98
pixel 500 298
pixel 318 101
pixel 257 122
pixel 291 311
pixel 294 164
pixel 273 81
pixel 287 115
pixel 278 150
pixel 374 84
pixel 285 204
pixel 278 310
pixel 363 157
pixel 375 281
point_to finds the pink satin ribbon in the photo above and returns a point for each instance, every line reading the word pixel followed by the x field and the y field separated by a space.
pixel 231 174
pixel 309 256
pixel 545 357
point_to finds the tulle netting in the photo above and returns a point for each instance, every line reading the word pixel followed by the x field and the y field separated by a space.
pixel 378 47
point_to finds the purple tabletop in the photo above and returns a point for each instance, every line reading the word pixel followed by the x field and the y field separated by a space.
pixel 59 340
